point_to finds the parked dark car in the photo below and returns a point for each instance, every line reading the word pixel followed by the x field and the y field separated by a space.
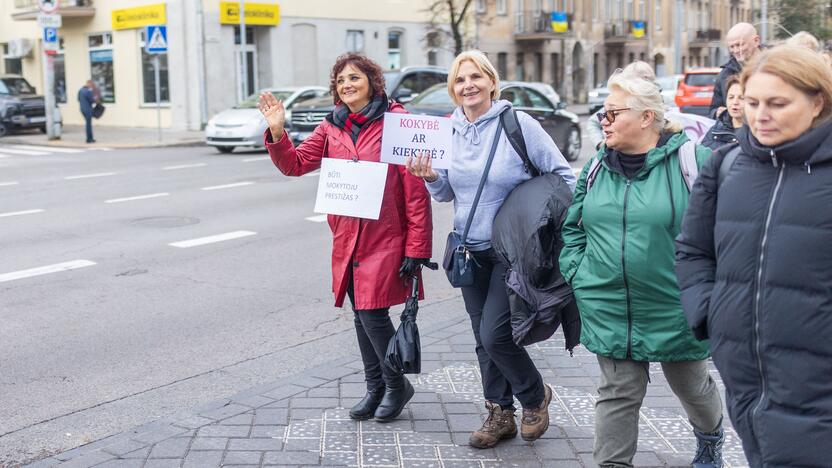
pixel 559 123
pixel 402 86
pixel 20 106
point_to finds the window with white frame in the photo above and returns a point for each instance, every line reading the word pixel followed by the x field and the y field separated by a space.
pixel 355 40
pixel 537 7
pixel 501 7
pixel 149 75
pixel 101 65
pixel 657 12
pixel 480 7
pixel 394 50
pixel 642 10
pixel 518 16
pixel 11 65
pixel 628 10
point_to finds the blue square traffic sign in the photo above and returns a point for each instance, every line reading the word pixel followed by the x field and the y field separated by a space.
pixel 156 39
pixel 50 35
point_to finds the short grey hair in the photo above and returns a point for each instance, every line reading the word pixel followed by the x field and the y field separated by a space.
pixel 645 95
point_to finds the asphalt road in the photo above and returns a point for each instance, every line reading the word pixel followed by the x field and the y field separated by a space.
pixel 135 284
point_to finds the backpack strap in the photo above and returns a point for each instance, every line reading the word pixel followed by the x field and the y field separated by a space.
pixel 514 132
pixel 727 162
pixel 687 163
pixel 594 167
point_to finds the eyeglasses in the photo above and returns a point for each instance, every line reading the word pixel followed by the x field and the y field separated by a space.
pixel 610 114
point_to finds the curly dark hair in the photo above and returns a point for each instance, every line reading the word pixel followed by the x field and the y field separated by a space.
pixel 361 62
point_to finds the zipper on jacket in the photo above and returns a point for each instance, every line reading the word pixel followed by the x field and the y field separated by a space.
pixel 759 287
pixel 624 273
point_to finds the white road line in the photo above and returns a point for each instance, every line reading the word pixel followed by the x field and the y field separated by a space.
pixel 138 197
pixel 6 184
pixel 183 166
pixel 317 219
pixel 89 176
pixel 211 239
pixel 259 158
pixel 220 187
pixel 313 174
pixel 56 268
pixel 18 213
pixel 49 149
pixel 10 150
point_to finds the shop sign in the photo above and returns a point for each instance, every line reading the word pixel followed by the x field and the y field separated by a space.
pixel 257 14
pixel 139 17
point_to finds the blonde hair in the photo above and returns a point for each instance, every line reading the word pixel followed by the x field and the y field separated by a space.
pixel 482 63
pixel 804 39
pixel 644 95
pixel 642 69
pixel 799 67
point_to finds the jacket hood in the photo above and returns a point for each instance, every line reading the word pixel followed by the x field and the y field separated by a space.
pixel 724 122
pixel 471 130
pixel 811 148
pixel 668 143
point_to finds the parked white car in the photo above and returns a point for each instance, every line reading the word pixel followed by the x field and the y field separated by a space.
pixel 669 84
pixel 243 125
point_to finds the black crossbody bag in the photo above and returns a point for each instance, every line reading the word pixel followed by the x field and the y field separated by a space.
pixel 458 262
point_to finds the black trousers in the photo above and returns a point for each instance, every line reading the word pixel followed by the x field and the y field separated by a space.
pixel 374 329
pixel 507 370
pixel 88 126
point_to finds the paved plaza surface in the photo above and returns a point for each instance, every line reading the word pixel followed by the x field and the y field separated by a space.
pixel 303 420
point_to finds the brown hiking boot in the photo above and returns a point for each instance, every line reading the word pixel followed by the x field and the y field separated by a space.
pixel 500 425
pixel 535 421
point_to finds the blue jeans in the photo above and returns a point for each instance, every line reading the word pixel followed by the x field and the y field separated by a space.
pixel 88 120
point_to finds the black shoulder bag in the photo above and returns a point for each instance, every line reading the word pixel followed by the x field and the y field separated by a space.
pixel 458 262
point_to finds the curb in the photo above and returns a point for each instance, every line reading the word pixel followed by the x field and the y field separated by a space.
pixel 72 144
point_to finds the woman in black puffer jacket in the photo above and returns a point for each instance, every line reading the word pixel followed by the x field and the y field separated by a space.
pixel 754 261
pixel 725 128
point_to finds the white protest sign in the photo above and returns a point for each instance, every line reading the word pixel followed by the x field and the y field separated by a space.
pixel 351 188
pixel 408 135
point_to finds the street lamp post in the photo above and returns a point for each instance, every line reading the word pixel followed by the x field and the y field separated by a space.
pixel 677 40
pixel 243 54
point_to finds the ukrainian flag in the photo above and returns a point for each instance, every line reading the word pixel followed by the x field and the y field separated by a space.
pixel 560 24
pixel 637 29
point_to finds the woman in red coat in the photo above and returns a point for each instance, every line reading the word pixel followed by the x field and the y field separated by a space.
pixel 371 259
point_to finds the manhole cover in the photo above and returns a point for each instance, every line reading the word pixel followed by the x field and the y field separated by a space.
pixel 165 221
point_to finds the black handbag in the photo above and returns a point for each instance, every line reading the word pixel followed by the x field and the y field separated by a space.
pixel 98 110
pixel 404 351
pixel 458 262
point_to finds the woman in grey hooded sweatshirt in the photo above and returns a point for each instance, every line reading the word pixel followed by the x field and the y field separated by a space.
pixel 507 370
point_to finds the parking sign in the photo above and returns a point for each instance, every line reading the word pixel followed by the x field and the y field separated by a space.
pixel 50 35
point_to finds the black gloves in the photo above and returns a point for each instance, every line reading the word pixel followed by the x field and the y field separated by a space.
pixel 410 265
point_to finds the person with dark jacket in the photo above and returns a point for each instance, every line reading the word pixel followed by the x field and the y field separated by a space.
pixel 726 125
pixel 371 259
pixel 618 256
pixel 86 98
pixel 743 44
pixel 754 261
pixel 508 372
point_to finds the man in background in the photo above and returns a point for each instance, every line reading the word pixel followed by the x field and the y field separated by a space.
pixel 86 96
pixel 743 43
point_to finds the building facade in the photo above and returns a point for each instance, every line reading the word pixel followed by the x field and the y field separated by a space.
pixel 597 36
pixel 290 42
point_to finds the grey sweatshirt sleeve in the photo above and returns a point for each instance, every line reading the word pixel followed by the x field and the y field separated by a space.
pixel 543 152
pixel 594 131
pixel 440 189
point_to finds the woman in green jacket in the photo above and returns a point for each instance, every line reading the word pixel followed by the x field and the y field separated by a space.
pixel 619 257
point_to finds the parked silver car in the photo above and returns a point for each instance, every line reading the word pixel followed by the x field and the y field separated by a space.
pixel 243 125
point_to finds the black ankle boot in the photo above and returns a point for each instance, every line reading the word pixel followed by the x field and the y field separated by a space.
pixel 366 408
pixel 395 397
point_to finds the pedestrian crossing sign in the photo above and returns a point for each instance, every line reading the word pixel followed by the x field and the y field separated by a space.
pixel 156 39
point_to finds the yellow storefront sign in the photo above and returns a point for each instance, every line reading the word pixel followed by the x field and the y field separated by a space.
pixel 139 17
pixel 257 14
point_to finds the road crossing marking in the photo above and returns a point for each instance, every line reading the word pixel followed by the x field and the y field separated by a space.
pixel 138 197
pixel 259 158
pixel 6 184
pixel 212 239
pixel 56 268
pixel 89 176
pixel 18 213
pixel 220 187
pixel 317 219
pixel 8 150
pixel 183 166
pixel 50 149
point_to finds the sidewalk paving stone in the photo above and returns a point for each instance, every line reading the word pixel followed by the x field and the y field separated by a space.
pixel 304 420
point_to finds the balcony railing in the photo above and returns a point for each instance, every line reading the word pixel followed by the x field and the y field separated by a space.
pixel 537 24
pixel 622 31
pixel 28 9
pixel 705 35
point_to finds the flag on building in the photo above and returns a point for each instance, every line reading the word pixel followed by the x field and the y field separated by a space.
pixel 637 29
pixel 560 23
